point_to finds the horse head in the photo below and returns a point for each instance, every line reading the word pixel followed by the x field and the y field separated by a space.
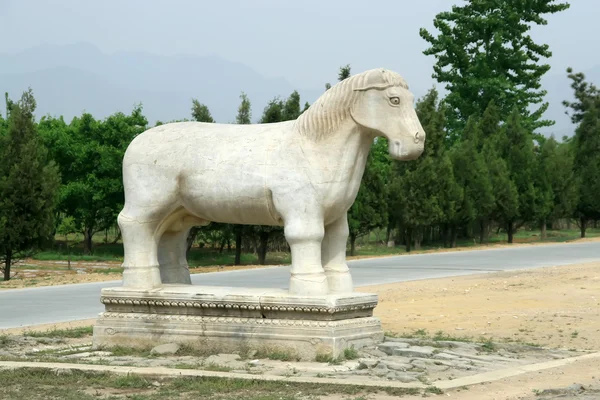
pixel 384 107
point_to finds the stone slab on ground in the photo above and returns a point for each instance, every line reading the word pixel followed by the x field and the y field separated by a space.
pixel 463 366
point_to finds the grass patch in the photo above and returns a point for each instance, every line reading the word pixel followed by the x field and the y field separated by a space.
pixel 488 345
pixel 434 390
pixel 123 351
pixel 6 340
pixel 439 336
pixel 69 333
pixel 277 354
pixel 128 382
pixel 216 367
pixel 351 353
pixel 34 383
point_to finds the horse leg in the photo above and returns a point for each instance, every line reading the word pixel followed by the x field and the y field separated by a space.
pixel 304 236
pixel 140 248
pixel 333 256
pixel 172 251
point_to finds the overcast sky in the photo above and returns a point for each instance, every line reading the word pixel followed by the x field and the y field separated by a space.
pixel 304 41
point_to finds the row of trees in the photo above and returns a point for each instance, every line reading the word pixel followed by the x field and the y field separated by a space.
pixel 484 166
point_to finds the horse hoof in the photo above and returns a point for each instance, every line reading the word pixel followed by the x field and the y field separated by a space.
pixel 309 285
pixel 339 282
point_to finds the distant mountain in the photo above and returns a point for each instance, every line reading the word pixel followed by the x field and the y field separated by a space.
pixel 67 80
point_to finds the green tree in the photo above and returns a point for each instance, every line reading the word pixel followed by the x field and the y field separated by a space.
pixel 244 114
pixel 200 112
pixel 586 95
pixel 29 183
pixel 407 190
pixel 506 196
pixel 291 108
pixel 418 200
pixel 587 166
pixel 543 182
pixel 472 174
pixel 450 196
pixel 369 210
pixel 67 227
pixel 344 73
pixel 273 112
pixel 520 159
pixel 483 52
pixel 565 186
pixel 89 154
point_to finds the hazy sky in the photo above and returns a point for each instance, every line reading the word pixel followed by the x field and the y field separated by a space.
pixel 304 41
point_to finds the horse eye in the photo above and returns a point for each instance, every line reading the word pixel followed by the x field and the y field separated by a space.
pixel 395 100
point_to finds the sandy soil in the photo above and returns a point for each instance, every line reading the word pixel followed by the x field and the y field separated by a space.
pixel 553 307
pixel 556 307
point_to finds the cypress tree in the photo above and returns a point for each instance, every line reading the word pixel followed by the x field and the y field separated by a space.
pixel 29 184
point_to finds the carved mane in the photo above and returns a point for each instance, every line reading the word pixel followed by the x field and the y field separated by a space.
pixel 333 107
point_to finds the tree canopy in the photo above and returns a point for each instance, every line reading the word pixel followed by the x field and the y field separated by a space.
pixel 483 52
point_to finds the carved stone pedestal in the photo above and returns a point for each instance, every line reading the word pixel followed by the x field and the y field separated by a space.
pixel 237 319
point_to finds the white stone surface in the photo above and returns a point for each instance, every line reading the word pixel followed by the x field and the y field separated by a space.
pixel 303 175
pixel 302 338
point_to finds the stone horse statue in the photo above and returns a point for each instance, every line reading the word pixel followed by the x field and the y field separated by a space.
pixel 303 175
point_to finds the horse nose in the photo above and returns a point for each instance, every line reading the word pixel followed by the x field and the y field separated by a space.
pixel 417 138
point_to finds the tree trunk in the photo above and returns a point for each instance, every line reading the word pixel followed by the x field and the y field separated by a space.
pixel 509 230
pixel 446 228
pixel 118 237
pixel 418 237
pixel 543 234
pixel 454 234
pixel 484 225
pixel 8 262
pixel 262 247
pixel 223 241
pixel 408 239
pixel 238 244
pixel 469 230
pixel 400 234
pixel 191 237
pixel 87 241
pixel 583 226
pixel 68 252
pixel 388 233
pixel 352 244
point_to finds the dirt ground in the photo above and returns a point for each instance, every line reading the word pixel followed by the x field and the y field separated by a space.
pixel 555 307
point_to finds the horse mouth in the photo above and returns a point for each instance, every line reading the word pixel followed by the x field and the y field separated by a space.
pixel 399 152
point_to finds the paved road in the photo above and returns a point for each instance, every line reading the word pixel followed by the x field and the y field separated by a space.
pixel 23 307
